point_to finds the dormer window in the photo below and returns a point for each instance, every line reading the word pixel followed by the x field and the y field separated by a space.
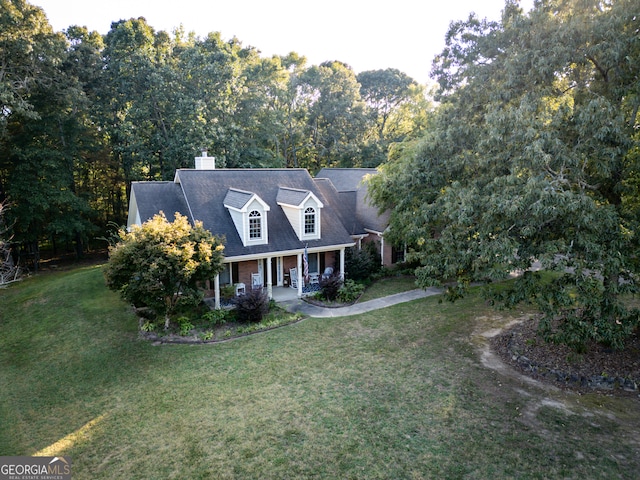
pixel 255 225
pixel 310 221
pixel 249 214
pixel 303 210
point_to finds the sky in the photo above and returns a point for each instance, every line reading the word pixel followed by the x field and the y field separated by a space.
pixel 365 34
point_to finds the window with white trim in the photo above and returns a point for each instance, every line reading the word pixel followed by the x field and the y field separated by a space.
pixel 255 225
pixel 309 221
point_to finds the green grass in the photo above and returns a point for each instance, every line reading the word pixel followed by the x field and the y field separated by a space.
pixel 397 393
pixel 388 286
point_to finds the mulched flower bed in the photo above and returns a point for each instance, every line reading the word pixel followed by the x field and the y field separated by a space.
pixel 599 369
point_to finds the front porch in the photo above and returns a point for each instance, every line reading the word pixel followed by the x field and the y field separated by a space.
pixel 278 294
pixel 283 294
pixel 276 274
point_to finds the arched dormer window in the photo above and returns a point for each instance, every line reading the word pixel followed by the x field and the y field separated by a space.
pixel 250 216
pixel 255 225
pixel 303 210
pixel 310 221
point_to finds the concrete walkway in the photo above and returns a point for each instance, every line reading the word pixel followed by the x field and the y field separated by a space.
pixel 305 308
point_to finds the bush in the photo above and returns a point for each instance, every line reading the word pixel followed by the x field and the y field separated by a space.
pixel 330 286
pixel 362 264
pixel 227 292
pixel 148 326
pixel 206 336
pixel 216 317
pixel 350 291
pixel 252 306
pixel 185 325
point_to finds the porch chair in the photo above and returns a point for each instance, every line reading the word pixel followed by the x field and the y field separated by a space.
pixel 256 281
pixel 327 273
pixel 293 272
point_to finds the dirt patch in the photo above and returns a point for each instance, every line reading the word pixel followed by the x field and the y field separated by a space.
pixel 536 394
pixel 600 369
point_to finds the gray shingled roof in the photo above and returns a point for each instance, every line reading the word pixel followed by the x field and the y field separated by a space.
pixel 344 203
pixel 206 191
pixel 237 198
pixel 291 196
pixel 346 179
pixel 353 180
pixel 155 197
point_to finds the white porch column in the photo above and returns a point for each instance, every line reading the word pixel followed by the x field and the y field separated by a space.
pixel 381 250
pixel 269 279
pixel 299 271
pixel 342 263
pixel 216 289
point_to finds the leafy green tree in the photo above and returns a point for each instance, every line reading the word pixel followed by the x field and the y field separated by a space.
pixel 397 110
pixel 384 91
pixel 28 49
pixel 26 60
pixel 208 88
pixel 335 124
pixel 42 135
pixel 160 263
pixel 166 98
pixel 126 85
pixel 294 106
pixel 97 175
pixel 260 114
pixel 532 158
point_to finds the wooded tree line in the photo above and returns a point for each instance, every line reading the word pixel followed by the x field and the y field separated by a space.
pixel 533 156
pixel 84 114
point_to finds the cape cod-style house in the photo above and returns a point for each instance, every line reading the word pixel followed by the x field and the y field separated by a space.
pixel 282 228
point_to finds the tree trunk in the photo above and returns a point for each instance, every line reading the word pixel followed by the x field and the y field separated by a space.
pixel 167 310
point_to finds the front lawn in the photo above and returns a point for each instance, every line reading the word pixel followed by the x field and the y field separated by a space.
pixel 402 392
pixel 388 286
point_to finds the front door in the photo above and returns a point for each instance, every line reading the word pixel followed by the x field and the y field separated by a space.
pixel 261 271
pixel 276 271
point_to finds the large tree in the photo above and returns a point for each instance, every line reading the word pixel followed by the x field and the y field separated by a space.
pixel 43 127
pixel 533 157
pixel 335 121
pixel 160 263
pixel 397 110
pixel 28 49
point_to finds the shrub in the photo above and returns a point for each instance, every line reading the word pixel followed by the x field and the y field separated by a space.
pixel 350 291
pixel 185 325
pixel 148 326
pixel 252 306
pixel 206 336
pixel 216 317
pixel 227 292
pixel 362 264
pixel 330 286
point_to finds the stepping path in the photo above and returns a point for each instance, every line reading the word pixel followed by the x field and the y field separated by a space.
pixel 305 308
